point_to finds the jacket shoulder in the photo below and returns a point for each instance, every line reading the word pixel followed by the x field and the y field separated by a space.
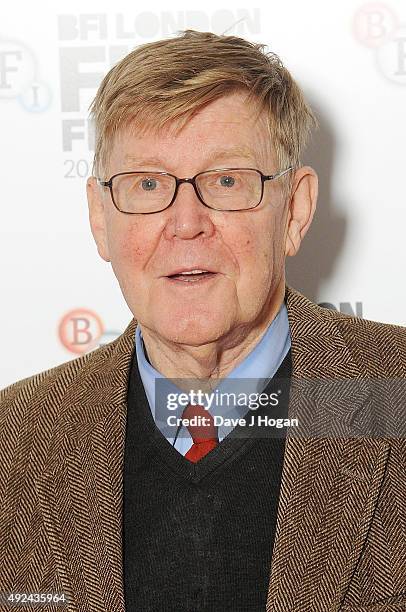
pixel 379 349
pixel 28 398
pixel 378 343
pixel 62 374
pixel 60 377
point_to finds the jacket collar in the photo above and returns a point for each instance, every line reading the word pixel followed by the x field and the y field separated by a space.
pixel 326 482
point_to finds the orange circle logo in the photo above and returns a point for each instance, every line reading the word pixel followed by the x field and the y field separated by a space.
pixel 79 330
pixel 373 23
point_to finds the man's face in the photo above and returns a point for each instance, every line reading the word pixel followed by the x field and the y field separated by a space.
pixel 244 249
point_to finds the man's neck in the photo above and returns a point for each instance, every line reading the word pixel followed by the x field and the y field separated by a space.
pixel 214 360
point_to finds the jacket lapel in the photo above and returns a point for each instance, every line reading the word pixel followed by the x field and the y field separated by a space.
pixel 329 489
pixel 330 484
pixel 80 490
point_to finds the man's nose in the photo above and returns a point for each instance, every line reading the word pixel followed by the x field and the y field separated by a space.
pixel 188 216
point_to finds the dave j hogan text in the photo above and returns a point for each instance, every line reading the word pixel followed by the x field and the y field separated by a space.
pixel 253 420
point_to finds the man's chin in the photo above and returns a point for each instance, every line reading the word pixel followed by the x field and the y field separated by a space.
pixel 192 332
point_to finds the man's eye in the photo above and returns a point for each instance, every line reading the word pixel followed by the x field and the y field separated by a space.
pixel 149 184
pixel 227 181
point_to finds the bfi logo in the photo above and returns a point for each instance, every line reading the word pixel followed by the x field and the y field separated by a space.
pixel 20 79
pixel 81 330
pixel 377 26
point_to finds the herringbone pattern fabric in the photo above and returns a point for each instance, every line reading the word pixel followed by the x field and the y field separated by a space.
pixel 341 531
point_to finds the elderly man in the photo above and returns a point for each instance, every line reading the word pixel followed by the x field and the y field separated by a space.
pixel 198 195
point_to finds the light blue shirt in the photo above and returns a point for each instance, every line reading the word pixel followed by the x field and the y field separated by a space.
pixel 253 375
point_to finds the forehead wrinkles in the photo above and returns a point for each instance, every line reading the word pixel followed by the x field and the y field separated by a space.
pixel 244 132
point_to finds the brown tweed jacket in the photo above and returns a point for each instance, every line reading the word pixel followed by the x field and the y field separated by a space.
pixel 341 531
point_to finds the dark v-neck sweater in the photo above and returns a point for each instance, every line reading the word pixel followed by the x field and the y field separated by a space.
pixel 199 536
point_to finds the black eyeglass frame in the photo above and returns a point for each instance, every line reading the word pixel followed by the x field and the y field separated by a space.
pixel 192 181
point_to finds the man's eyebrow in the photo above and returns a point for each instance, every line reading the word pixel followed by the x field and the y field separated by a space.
pixel 236 151
pixel 143 161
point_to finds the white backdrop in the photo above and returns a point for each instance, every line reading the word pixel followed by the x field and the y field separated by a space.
pixel 58 298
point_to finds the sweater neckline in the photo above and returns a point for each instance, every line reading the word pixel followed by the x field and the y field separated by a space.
pixel 238 441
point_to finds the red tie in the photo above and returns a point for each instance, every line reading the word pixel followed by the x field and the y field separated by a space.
pixel 204 434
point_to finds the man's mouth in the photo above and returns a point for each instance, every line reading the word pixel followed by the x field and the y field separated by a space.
pixel 189 276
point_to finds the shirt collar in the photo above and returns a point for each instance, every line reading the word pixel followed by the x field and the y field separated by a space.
pixel 253 373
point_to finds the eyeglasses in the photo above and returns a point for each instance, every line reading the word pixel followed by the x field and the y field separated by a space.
pixel 225 189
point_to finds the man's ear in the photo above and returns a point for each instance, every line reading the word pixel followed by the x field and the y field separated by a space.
pixel 301 208
pixel 97 217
